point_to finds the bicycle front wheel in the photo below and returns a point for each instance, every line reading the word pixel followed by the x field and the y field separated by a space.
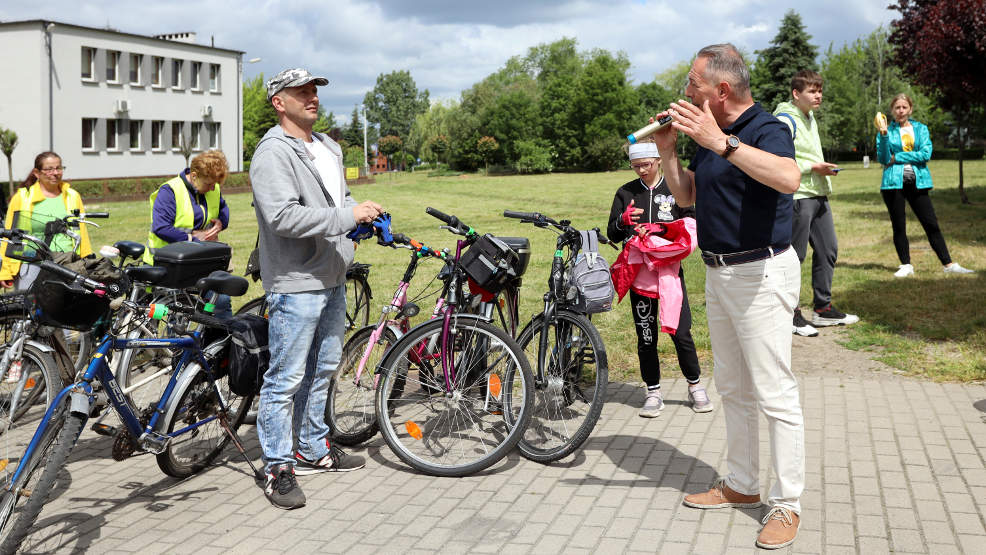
pixel 22 501
pixel 570 391
pixel 197 412
pixel 463 426
pixel 350 411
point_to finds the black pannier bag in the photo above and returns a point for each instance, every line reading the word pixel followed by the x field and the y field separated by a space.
pixel 491 263
pixel 189 261
pixel 249 355
pixel 55 302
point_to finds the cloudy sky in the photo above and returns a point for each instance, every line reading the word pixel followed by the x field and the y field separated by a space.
pixel 450 45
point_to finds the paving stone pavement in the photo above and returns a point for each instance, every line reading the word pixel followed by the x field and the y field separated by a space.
pixel 893 464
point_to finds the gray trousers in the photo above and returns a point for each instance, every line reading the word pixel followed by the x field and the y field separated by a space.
pixel 813 225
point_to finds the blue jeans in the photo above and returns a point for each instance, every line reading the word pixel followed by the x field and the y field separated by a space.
pixel 306 337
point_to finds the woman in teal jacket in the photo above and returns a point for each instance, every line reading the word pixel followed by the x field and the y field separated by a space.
pixel 904 148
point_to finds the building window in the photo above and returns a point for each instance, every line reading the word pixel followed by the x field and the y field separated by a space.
pixel 213 129
pixel 112 66
pixel 176 135
pixel 88 133
pixel 136 126
pixel 88 63
pixel 194 79
pixel 135 62
pixel 176 66
pixel 214 77
pixel 157 73
pixel 196 133
pixel 157 131
pixel 111 134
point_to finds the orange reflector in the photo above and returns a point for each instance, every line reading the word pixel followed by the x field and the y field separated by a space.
pixel 413 429
pixel 501 301
pixel 495 386
pixel 28 385
pixel 4 463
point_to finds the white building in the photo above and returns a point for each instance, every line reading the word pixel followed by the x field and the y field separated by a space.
pixel 116 104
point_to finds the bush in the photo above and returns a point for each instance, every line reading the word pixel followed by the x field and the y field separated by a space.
pixel 605 154
pixel 535 157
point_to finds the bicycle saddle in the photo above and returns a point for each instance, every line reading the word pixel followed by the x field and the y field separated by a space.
pixel 146 274
pixel 223 282
pixel 130 249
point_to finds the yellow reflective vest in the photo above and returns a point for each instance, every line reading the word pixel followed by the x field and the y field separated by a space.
pixel 184 212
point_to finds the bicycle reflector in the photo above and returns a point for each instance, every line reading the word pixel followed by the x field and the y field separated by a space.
pixel 413 429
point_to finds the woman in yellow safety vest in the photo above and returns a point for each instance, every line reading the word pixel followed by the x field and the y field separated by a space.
pixel 189 207
pixel 42 197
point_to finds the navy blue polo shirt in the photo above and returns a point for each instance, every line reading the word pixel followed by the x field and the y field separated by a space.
pixel 733 211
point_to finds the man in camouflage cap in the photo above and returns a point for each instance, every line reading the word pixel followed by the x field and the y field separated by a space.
pixel 304 210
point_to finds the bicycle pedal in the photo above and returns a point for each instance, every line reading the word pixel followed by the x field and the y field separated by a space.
pixel 103 429
pixel 154 442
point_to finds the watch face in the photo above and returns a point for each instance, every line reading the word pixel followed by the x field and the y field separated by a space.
pixel 733 141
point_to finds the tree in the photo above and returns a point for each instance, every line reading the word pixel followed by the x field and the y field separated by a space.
pixel 390 145
pixel 487 146
pixel 185 148
pixel 432 123
pixel 8 142
pixel 353 157
pixel 440 146
pixel 942 45
pixel 258 115
pixel 325 121
pixel 394 103
pixel 770 79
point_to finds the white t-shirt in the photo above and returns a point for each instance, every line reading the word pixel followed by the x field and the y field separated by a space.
pixel 328 170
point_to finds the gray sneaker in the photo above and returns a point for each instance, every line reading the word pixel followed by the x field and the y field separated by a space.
pixel 700 399
pixel 653 404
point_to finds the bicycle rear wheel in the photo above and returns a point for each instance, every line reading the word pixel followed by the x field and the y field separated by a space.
pixel 357 301
pixel 34 393
pixel 22 502
pixel 350 411
pixel 569 397
pixel 198 406
pixel 468 427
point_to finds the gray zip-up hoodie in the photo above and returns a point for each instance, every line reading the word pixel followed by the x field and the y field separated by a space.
pixel 302 232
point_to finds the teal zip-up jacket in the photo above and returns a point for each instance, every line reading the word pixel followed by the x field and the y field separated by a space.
pixel 807 150
pixel 889 144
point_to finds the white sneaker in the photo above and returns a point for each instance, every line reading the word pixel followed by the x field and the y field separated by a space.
pixel 653 404
pixel 954 268
pixel 906 270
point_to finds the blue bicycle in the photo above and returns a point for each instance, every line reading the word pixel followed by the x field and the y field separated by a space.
pixel 187 429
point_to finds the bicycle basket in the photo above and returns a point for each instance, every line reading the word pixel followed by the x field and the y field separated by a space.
pixel 490 263
pixel 55 302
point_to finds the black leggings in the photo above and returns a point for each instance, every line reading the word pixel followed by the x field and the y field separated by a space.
pixel 644 311
pixel 921 205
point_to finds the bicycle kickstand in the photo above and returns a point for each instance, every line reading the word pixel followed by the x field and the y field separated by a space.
pixel 257 475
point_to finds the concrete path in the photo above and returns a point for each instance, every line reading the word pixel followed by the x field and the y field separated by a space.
pixel 894 464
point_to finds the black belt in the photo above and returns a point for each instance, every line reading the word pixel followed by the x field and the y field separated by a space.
pixel 731 259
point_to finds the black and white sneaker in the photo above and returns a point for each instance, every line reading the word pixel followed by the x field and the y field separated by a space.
pixel 831 316
pixel 336 461
pixel 801 326
pixel 282 488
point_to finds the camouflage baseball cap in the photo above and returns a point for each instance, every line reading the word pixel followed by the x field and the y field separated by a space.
pixel 292 78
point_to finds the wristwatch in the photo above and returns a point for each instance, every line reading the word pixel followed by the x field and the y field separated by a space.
pixel 732 143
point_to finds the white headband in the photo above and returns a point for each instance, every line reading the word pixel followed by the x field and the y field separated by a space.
pixel 643 150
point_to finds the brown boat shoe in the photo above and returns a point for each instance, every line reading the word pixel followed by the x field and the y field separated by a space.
pixel 780 528
pixel 721 496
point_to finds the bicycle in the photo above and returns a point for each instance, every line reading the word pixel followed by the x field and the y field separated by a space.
pixel 350 411
pixel 566 352
pixel 455 392
pixel 188 428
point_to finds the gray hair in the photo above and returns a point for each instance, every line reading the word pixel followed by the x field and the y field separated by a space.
pixel 725 63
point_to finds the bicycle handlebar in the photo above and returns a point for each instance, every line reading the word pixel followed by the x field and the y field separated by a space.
pixel 532 216
pixel 540 220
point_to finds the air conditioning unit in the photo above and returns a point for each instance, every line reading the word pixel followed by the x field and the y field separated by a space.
pixel 207 111
pixel 122 105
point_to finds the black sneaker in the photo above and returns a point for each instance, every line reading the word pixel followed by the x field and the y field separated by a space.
pixel 801 326
pixel 831 316
pixel 282 488
pixel 336 461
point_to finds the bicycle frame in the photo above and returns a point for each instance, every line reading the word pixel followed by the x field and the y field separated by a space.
pixel 82 396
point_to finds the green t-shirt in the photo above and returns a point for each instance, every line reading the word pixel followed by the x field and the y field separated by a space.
pixel 45 211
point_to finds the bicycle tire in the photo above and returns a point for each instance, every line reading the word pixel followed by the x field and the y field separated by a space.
pixel 43 382
pixel 350 410
pixel 568 402
pixel 50 457
pixel 357 302
pixel 476 401
pixel 185 456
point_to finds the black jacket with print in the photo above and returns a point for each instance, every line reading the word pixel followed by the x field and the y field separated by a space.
pixel 658 204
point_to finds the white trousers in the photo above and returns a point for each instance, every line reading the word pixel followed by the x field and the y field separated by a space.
pixel 750 307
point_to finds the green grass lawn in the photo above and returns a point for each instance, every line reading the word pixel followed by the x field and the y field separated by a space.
pixel 929 325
